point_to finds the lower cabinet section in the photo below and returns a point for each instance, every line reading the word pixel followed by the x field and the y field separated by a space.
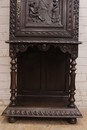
pixel 52 107
pixel 42 72
pixel 43 82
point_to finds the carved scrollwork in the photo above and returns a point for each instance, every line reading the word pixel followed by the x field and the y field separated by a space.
pixel 74 52
pixel 70 48
pixel 23 47
pixel 65 48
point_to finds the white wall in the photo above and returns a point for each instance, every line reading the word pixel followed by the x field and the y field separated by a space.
pixel 4 52
pixel 81 79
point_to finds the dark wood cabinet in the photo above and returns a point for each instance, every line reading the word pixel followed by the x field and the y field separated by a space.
pixel 43 44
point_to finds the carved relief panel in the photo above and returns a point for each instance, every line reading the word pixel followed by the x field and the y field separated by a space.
pixel 43 13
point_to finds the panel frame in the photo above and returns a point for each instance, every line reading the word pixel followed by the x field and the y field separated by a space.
pixel 72 23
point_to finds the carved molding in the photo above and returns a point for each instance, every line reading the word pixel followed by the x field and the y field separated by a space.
pixel 30 112
pixel 12 18
pixel 76 12
pixel 69 28
pixel 18 14
pixel 45 33
pixel 45 40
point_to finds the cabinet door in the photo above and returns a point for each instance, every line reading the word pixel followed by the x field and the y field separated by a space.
pixel 44 18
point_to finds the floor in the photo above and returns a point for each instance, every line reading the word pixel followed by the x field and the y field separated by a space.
pixel 38 124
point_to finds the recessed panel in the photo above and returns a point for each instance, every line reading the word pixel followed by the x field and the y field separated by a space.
pixel 43 13
pixel 55 71
pixel 29 71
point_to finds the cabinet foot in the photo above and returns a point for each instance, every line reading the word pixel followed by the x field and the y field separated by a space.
pixel 72 120
pixel 11 119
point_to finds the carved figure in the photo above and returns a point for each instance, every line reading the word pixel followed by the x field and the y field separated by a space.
pixel 34 13
pixel 55 11
pixel 44 11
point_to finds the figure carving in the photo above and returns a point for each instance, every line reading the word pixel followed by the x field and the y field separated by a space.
pixel 44 12
pixel 34 13
pixel 55 12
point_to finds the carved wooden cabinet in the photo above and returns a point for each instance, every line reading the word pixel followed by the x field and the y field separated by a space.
pixel 43 44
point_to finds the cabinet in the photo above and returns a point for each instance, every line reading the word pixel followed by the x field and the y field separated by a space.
pixel 43 44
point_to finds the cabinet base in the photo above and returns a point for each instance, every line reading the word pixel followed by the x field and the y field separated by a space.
pixel 43 108
pixel 70 113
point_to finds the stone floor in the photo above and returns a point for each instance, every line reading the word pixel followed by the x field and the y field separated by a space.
pixel 44 124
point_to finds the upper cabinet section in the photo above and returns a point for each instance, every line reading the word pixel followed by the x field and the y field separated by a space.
pixel 44 18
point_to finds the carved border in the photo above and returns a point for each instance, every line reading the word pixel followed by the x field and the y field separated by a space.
pixel 12 18
pixel 76 13
pixel 40 112
pixel 44 33
pixel 69 26
pixel 71 49
pixel 18 15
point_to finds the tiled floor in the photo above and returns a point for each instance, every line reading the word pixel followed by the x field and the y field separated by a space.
pixel 38 124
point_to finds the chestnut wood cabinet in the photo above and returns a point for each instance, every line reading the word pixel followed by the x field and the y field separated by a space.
pixel 43 44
